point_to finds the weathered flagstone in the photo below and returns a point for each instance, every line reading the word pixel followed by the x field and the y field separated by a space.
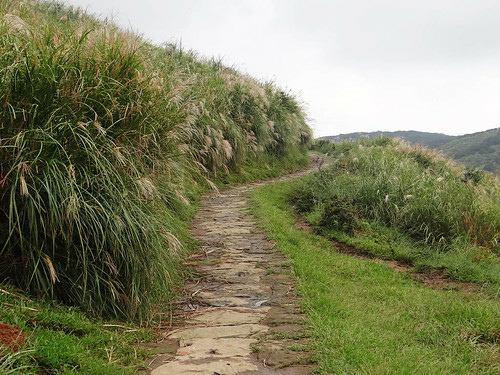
pixel 245 317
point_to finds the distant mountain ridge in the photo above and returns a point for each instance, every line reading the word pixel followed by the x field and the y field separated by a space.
pixel 477 150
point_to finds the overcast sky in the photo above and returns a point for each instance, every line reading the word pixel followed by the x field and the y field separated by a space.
pixel 359 65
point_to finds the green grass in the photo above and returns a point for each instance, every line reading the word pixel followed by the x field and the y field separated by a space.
pixel 63 340
pixel 367 319
pixel 466 263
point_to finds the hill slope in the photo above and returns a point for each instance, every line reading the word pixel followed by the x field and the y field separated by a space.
pixel 432 140
pixel 477 150
pixel 383 185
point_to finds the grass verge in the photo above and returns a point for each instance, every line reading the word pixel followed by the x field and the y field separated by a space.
pixel 59 339
pixel 368 319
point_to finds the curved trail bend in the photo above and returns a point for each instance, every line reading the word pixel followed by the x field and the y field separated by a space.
pixel 244 316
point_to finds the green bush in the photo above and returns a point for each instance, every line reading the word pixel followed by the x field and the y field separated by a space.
pixel 339 213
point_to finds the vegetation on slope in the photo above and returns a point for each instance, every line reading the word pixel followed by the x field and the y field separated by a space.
pixel 105 143
pixel 476 150
pixel 432 140
pixel 368 319
pixel 408 203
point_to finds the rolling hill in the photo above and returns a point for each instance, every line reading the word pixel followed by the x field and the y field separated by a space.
pixel 432 140
pixel 476 150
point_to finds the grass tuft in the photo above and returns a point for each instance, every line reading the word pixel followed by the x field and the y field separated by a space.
pixel 60 339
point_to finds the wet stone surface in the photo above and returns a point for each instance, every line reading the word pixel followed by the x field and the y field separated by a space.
pixel 244 314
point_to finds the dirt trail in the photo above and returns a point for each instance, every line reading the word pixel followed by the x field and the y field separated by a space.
pixel 244 315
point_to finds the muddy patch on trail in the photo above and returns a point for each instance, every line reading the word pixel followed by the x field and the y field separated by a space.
pixel 435 278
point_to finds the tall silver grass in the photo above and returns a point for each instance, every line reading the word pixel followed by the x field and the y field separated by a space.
pixel 102 139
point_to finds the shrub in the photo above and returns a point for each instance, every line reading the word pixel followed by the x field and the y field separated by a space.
pixel 473 175
pixel 339 213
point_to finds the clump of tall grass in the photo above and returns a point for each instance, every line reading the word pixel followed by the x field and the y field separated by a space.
pixel 323 146
pixel 410 188
pixel 13 362
pixel 104 140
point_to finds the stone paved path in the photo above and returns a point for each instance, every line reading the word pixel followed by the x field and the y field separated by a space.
pixel 244 316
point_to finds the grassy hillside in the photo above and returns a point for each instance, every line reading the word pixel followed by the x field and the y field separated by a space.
pixel 477 150
pixel 410 204
pixel 106 141
pixel 432 140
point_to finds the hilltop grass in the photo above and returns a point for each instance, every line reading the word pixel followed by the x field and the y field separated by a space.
pixel 367 319
pixel 106 142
